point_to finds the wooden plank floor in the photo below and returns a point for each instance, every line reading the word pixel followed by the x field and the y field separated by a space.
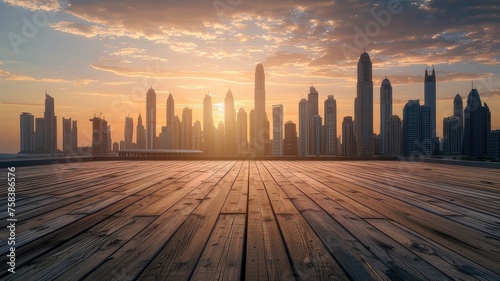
pixel 255 220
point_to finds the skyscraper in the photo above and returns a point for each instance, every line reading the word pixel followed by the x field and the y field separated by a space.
pixel 27 132
pixel 430 101
pixel 176 133
pixel 348 138
pixel 477 121
pixel 416 129
pixel 303 127
pixel 141 134
pixel 241 131
pixel 219 138
pixel 50 125
pixel 129 132
pixel 229 122
pixel 452 136
pixel 101 144
pixel 392 136
pixel 39 131
pixel 197 140
pixel 261 132
pixel 494 144
pixel 208 126
pixel 290 142
pixel 187 128
pixel 385 109
pixel 150 118
pixel 170 119
pixel 364 107
pixel 458 110
pixel 278 130
pixel 69 136
pixel 317 131
pixel 252 128
pixel 330 142
pixel 313 103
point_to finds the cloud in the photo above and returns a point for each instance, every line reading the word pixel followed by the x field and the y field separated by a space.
pixel 36 5
pixel 283 58
pixel 20 77
pixel 238 77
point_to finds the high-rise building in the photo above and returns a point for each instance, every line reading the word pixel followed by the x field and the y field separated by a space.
pixel 278 130
pixel 348 137
pixel 261 138
pixel 385 109
pixel 39 131
pixel 197 136
pixel 452 136
pixel 27 132
pixel 101 138
pixel 219 138
pixel 176 133
pixel 150 118
pixel 266 142
pixel 50 125
pixel 141 134
pixel 252 134
pixel 187 128
pixel 164 137
pixel 477 121
pixel 364 107
pixel 69 136
pixel 494 144
pixel 393 134
pixel 229 122
pixel 430 101
pixel 74 136
pixel 316 128
pixel 458 110
pixel 416 129
pixel 290 142
pixel 115 146
pixel 170 119
pixel 129 132
pixel 303 127
pixel 241 132
pixel 313 104
pixel 208 126
pixel 330 141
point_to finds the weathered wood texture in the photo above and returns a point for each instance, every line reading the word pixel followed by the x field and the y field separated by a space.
pixel 255 220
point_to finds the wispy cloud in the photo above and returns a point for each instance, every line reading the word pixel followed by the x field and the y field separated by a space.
pixel 19 77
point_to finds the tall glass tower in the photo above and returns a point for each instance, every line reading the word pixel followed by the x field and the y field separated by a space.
pixel 150 118
pixel 364 107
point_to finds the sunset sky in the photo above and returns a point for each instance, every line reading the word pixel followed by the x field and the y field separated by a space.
pixel 102 56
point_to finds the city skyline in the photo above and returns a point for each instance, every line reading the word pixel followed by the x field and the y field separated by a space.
pixel 298 46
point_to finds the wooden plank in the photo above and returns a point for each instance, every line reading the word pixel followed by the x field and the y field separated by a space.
pixel 91 247
pixel 181 253
pixel 236 202
pixel 266 256
pixel 449 262
pixel 310 259
pixel 222 258
pixel 140 251
pixel 440 229
pixel 355 259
